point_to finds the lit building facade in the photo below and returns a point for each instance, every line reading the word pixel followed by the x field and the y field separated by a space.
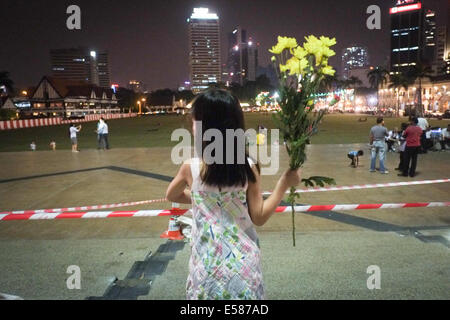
pixel 354 57
pixel 59 97
pixel 413 35
pixel 204 51
pixel 81 64
pixel 242 60
pixel 435 95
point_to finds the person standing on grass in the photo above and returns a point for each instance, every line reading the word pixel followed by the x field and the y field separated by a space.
pixel 412 134
pixel 424 125
pixel 105 134
pixel 402 147
pixel 99 131
pixel 74 136
pixel 378 135
pixel 227 203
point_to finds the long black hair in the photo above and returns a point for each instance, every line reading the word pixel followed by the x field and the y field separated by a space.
pixel 219 109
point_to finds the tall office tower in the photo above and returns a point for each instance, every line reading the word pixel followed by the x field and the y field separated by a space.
pixel 104 78
pixel 242 57
pixel 439 66
pixel 204 55
pixel 354 57
pixel 413 35
pixel 81 64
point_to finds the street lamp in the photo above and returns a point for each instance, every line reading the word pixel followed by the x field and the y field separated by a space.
pixel 143 100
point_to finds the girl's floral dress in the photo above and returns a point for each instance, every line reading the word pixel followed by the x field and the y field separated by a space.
pixel 225 258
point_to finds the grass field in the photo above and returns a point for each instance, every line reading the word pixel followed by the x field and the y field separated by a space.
pixel 155 131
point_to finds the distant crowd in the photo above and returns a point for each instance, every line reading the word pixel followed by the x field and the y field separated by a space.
pixel 102 132
pixel 414 138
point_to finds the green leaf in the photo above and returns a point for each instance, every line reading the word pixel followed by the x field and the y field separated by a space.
pixel 318 181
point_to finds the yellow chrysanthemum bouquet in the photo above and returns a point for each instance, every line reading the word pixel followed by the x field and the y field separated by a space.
pixel 301 69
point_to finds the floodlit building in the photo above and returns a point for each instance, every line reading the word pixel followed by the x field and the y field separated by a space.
pixel 435 95
pixel 354 57
pixel 413 35
pixel 242 60
pixel 81 64
pixel 59 97
pixel 204 49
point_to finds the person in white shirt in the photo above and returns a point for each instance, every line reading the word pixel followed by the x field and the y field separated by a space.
pixel 73 136
pixel 100 129
pixel 33 146
pixel 105 134
pixel 423 124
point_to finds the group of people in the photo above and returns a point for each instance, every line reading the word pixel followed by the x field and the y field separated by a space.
pixel 413 138
pixel 102 135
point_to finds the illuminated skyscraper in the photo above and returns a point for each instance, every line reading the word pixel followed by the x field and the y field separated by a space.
pixel 413 35
pixel 354 57
pixel 81 64
pixel 204 55
pixel 242 57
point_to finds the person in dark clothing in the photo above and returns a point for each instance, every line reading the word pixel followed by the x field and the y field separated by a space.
pixel 402 147
pixel 412 134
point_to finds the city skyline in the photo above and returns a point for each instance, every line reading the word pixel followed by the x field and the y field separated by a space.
pixel 149 41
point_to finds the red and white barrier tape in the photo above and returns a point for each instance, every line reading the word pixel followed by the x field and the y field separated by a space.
pixel 44 122
pixel 84 208
pixel 129 204
pixel 369 186
pixel 181 212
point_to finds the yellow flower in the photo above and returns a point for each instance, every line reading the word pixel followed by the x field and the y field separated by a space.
pixel 293 66
pixel 284 43
pixel 289 43
pixel 328 70
pixel 320 48
pixel 327 41
pixel 303 65
pixel 284 68
pixel 299 52
pixel 315 47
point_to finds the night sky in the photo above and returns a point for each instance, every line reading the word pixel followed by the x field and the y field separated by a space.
pixel 147 40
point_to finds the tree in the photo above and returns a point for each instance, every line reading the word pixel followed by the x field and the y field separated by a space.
pixel 377 77
pixel 186 95
pixel 329 83
pixel 126 98
pixel 419 72
pixel 6 81
pixel 399 81
pixel 352 82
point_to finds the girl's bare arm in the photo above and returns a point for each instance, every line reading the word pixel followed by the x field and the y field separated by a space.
pixel 177 192
pixel 261 210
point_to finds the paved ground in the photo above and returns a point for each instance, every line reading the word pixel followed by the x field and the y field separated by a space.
pixel 125 259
